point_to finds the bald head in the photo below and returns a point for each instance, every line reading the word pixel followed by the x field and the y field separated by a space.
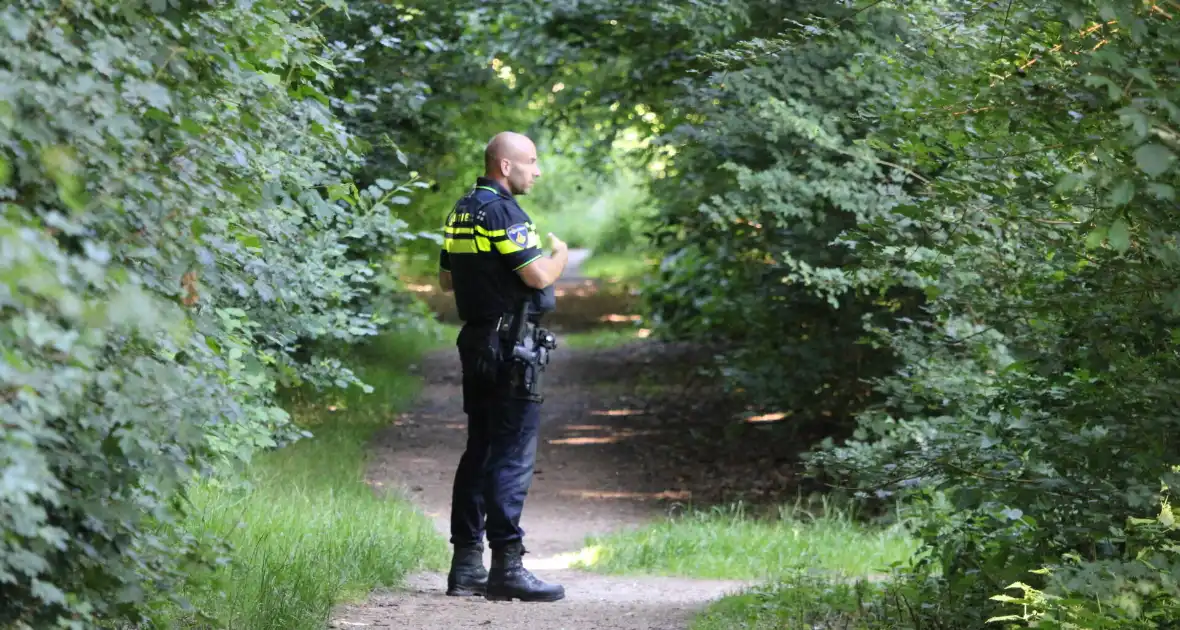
pixel 511 159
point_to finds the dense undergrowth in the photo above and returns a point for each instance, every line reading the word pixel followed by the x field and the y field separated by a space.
pixel 304 529
pixel 952 229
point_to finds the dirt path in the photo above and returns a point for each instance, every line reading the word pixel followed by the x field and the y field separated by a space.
pixel 628 435
pixel 596 473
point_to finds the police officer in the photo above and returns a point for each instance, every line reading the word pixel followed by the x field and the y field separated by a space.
pixel 492 260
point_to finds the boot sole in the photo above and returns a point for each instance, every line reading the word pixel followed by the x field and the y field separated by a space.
pixel 465 592
pixel 536 598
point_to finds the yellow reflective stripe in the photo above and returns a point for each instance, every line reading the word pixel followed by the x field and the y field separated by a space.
pixel 479 229
pixel 467 245
pixel 508 247
pixel 459 230
pixel 459 246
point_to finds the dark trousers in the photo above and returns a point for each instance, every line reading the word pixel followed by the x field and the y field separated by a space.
pixel 496 469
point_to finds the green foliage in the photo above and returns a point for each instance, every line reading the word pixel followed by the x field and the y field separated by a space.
pixel 174 216
pixel 752 249
pixel 801 599
pixel 1039 401
pixel 971 209
pixel 305 531
pixel 418 90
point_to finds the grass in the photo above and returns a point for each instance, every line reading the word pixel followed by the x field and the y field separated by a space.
pixel 306 531
pixel 802 600
pixel 616 267
pixel 820 570
pixel 598 338
pixel 729 544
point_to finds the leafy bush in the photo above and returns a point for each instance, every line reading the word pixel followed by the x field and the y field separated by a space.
pixel 752 259
pixel 176 215
pixel 972 209
pixel 307 531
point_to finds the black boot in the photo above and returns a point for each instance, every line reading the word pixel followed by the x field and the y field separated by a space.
pixel 509 580
pixel 467 578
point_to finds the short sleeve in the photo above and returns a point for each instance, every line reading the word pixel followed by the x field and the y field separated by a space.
pixel 514 236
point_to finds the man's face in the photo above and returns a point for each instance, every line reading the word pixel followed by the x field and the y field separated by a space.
pixel 524 170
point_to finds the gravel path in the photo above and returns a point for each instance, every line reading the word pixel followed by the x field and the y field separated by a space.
pixel 594 475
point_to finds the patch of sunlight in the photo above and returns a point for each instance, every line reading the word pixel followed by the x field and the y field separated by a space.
pixel 767 417
pixel 585 557
pixel 618 412
pixel 615 317
pixel 675 495
pixel 582 441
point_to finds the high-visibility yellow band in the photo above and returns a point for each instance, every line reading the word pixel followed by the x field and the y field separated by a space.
pixel 459 246
pixel 508 247
pixel 459 230
pixel 479 229
pixel 483 244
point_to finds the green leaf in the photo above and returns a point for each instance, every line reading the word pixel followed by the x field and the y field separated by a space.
pixel 385 184
pixel 1069 183
pixel 339 191
pixel 6 115
pixel 1096 237
pixel 1119 235
pixel 1154 159
pixel 1122 193
pixel 1163 192
pixel 5 171
pixel 189 125
pixel 47 592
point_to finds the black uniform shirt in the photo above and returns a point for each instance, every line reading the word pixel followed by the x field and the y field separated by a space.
pixel 487 238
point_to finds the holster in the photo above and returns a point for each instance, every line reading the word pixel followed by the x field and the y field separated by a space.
pixel 525 348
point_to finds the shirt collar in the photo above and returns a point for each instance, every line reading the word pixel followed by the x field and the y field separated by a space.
pixel 491 183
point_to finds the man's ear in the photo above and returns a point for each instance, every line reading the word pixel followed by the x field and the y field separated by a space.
pixel 505 167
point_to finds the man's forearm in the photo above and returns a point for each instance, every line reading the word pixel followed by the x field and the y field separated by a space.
pixel 557 262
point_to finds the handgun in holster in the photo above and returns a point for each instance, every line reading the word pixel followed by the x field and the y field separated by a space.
pixel 527 348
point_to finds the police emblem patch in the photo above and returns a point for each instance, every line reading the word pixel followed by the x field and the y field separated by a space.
pixel 519 234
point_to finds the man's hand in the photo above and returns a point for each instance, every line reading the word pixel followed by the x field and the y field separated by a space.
pixel 543 272
pixel 556 244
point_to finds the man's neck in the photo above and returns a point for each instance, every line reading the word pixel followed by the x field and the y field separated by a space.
pixel 499 179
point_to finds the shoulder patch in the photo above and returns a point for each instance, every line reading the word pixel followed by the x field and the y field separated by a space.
pixel 518 234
